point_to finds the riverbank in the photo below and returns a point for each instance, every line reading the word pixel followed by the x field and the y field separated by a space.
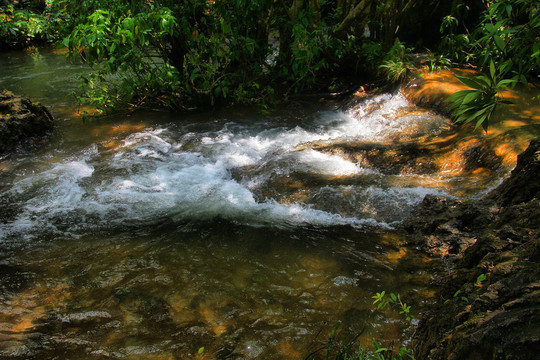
pixel 489 300
pixel 489 305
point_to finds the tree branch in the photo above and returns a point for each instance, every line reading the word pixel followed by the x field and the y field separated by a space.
pixel 354 14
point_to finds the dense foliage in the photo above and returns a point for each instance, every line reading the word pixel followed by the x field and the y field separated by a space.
pixel 506 39
pixel 190 54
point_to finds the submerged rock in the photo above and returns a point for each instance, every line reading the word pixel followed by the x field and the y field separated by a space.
pixel 489 306
pixel 21 120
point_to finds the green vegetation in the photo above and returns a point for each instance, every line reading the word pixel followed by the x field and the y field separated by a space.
pixel 339 349
pixel 21 28
pixel 199 53
pixel 479 104
pixel 505 43
pixel 478 284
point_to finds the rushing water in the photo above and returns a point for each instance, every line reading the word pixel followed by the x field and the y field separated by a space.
pixel 153 235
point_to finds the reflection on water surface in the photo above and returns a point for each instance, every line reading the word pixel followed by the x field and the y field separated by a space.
pixel 238 291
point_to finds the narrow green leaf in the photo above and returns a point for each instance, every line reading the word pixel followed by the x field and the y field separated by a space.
pixel 459 95
pixel 506 82
pixel 471 96
pixel 469 82
pixel 480 121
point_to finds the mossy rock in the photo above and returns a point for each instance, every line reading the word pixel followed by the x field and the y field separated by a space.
pixel 21 121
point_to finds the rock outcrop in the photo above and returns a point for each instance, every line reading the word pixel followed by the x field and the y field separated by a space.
pixel 21 121
pixel 489 305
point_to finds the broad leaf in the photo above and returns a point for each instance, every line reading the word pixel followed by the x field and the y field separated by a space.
pixel 499 42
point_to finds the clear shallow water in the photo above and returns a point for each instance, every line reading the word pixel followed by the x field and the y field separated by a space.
pixel 154 234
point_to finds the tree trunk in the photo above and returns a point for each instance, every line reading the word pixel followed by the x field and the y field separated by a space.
pixel 358 14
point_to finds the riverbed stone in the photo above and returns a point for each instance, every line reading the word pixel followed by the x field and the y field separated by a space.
pixel 21 121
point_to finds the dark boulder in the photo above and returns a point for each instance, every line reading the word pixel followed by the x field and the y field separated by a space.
pixel 21 121
pixel 524 182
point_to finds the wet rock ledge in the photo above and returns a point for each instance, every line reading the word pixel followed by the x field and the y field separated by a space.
pixel 21 121
pixel 489 304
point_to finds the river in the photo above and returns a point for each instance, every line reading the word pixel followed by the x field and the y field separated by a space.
pixel 152 235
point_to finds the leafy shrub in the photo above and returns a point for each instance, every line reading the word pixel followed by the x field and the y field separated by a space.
pixel 19 28
pixel 129 64
pixel 508 35
pixel 478 105
pixel 505 33
pixel 397 63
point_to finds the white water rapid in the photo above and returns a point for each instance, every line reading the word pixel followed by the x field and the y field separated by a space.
pixel 187 171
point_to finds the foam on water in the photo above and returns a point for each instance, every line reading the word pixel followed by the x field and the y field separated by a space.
pixel 169 175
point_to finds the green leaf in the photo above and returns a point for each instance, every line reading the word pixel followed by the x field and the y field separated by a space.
pixel 481 278
pixel 499 42
pixel 201 350
pixel 471 96
pixel 492 66
pixel 459 96
pixel 487 81
pixel 480 121
pixel 470 82
pixel 506 82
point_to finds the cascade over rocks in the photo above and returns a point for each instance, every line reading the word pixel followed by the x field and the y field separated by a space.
pixel 497 238
pixel 21 120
